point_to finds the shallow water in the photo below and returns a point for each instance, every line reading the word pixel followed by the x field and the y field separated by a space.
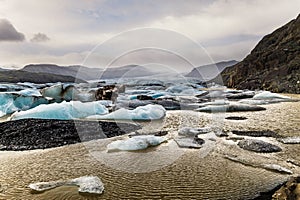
pixel 164 172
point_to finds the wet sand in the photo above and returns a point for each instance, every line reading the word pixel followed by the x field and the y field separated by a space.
pixel 164 172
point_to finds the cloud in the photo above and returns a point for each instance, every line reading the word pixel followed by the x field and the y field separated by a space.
pixel 40 37
pixel 8 32
pixel 228 29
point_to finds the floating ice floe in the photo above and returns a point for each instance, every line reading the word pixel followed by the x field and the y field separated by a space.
pixel 136 143
pixel 148 112
pixel 184 90
pixel 87 184
pixel 269 95
pixel 64 111
pixel 188 131
pixel 230 108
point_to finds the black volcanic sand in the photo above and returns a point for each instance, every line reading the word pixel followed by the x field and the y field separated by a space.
pixel 28 134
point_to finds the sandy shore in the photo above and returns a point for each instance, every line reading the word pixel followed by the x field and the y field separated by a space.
pixel 164 172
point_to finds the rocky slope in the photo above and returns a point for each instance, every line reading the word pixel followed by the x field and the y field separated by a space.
pixel 274 64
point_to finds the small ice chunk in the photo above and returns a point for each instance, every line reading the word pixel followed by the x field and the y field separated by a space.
pixel 269 95
pixel 254 101
pixel 148 112
pixel 187 142
pixel 188 131
pixel 87 184
pixel 277 168
pixel 136 143
pixel 290 140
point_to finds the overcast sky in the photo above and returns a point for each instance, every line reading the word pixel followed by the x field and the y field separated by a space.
pixel 177 31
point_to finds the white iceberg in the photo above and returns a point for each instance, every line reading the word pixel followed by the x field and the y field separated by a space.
pixel 148 112
pixel 269 95
pixel 64 111
pixel 60 92
pixel 135 143
pixel 87 184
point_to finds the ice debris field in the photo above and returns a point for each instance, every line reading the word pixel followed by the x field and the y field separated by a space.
pixel 127 100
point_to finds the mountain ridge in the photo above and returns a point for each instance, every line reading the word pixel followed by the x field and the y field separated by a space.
pixel 274 63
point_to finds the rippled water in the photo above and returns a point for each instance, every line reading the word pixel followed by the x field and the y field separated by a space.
pixel 166 171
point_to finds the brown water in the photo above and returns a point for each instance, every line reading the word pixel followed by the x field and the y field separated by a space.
pixel 165 172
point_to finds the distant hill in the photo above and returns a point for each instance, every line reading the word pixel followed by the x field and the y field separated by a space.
pixel 274 64
pixel 14 76
pixel 77 71
pixel 2 69
pixel 210 71
pixel 128 71
pixel 87 73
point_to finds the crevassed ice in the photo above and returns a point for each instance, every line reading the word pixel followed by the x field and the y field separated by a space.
pixel 148 112
pixel 11 102
pixel 64 111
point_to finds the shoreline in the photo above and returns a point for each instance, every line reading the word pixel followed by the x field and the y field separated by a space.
pixel 165 168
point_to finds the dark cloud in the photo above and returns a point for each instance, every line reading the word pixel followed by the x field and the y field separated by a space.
pixel 8 32
pixel 40 37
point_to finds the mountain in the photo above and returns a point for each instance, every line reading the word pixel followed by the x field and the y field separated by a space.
pixel 77 71
pixel 128 71
pixel 274 64
pixel 15 76
pixel 210 71
pixel 87 73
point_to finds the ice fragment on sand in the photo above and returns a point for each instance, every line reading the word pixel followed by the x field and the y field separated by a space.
pixel 87 184
pixel 136 143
